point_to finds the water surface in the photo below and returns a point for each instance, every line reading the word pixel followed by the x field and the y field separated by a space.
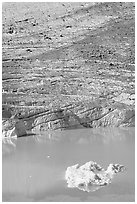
pixel 34 167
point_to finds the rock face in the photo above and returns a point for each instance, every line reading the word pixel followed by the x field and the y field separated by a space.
pixel 91 176
pixel 13 127
pixel 17 131
pixel 69 65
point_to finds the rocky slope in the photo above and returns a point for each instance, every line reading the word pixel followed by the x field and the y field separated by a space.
pixel 69 65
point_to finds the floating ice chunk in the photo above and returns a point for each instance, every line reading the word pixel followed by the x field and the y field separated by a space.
pixel 91 176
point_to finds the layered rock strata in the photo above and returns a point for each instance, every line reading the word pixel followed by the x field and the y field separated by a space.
pixel 69 65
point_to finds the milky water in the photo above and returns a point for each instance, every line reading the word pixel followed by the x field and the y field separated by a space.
pixel 34 167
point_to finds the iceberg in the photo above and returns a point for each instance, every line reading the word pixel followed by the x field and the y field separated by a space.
pixel 91 176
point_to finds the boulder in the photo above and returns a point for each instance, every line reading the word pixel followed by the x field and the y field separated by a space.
pixel 20 129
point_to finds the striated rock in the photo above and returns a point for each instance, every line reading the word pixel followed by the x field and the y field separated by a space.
pixel 89 115
pixel 97 113
pixel 91 176
pixel 69 65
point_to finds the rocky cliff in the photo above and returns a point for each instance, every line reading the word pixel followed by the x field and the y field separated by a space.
pixel 69 65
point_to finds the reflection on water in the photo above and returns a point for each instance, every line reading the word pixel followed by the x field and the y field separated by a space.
pixel 34 167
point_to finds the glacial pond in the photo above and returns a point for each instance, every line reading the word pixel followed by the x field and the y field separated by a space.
pixel 33 167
